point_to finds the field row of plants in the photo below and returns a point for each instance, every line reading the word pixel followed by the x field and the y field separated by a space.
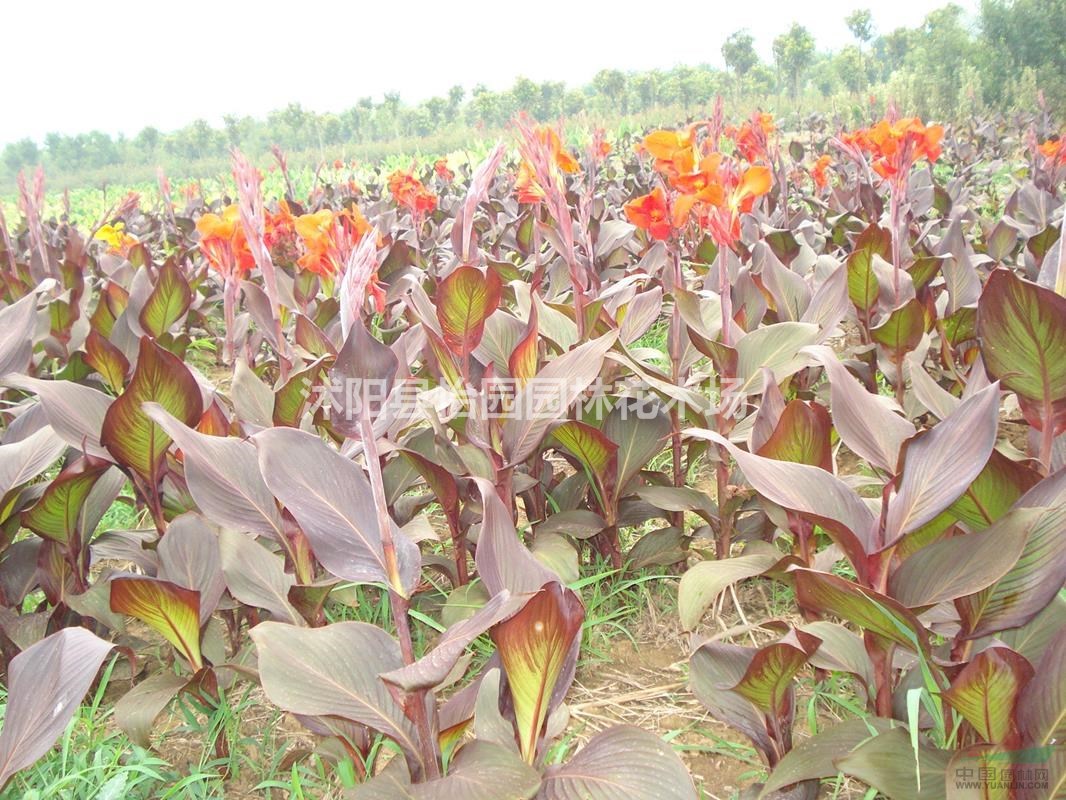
pixel 457 398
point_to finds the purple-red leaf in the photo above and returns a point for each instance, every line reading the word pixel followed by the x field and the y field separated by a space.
pixel 45 684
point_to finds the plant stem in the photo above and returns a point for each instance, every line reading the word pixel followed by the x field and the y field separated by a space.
pixel 415 702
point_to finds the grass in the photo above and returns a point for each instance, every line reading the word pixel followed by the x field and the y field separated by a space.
pixel 94 761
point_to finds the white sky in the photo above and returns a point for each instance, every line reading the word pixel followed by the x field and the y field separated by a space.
pixel 120 65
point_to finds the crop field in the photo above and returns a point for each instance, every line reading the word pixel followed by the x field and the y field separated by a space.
pixel 725 460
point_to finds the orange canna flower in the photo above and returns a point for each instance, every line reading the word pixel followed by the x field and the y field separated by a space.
pixel 897 146
pixel 674 152
pixel 526 188
pixel 1054 150
pixel 755 182
pixel 328 238
pixel 752 137
pixel 223 243
pixel 410 193
pixel 821 180
pixel 563 160
pixel 651 213
pixel 441 168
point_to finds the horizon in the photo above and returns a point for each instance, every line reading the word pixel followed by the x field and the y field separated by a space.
pixel 171 96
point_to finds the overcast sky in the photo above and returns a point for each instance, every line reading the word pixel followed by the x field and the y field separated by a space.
pixel 120 65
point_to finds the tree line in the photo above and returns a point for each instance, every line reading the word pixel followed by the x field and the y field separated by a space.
pixel 942 69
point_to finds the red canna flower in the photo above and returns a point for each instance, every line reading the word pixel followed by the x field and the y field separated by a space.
pixel 651 213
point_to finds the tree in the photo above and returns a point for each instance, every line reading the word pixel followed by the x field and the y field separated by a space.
pixel 861 24
pixel 739 53
pixel 611 85
pixel 21 155
pixel 848 64
pixel 794 52
pixel 645 89
pixel 526 95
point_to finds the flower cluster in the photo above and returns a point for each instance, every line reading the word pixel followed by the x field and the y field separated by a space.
pixel 528 188
pixel 117 240
pixel 223 243
pixel 410 193
pixel 895 146
pixel 821 180
pixel 1054 150
pixel 440 166
pixel 328 238
pixel 705 185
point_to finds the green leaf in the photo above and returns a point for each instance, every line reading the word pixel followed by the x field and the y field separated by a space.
pixel 1022 332
pixel 1043 706
pixel 46 682
pixel 168 302
pixel 870 610
pixel 775 347
pixel 171 609
pixel 136 441
pixel 887 763
pixel 465 299
pixel 1028 586
pixel 994 491
pixel 595 452
pixel 57 515
pixel 334 670
pixel 962 565
pixel 135 711
pixel 941 463
pixel 533 646
pixel 815 757
pixel 863 288
pixel 987 690
pixel 902 330
pixel 802 436
pixel 767 682
pixel 106 359
pixel 640 434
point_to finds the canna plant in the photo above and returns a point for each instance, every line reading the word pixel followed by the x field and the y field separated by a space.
pixel 374 442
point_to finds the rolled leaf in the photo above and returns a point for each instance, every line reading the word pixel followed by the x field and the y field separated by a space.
pixel 533 646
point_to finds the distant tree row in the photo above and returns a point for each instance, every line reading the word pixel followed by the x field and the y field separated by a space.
pixel 939 69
